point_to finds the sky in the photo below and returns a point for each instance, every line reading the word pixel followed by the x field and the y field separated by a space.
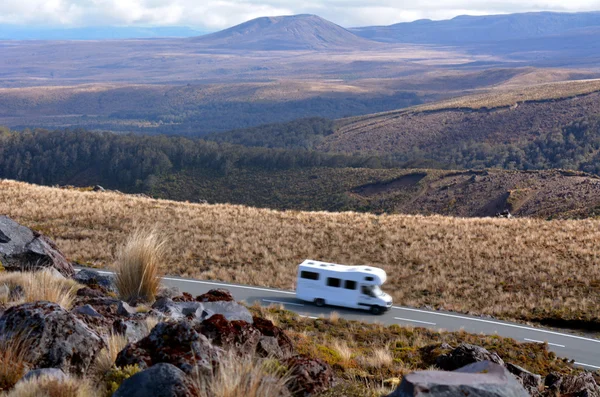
pixel 219 14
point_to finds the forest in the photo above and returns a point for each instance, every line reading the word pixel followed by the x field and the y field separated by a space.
pixel 131 162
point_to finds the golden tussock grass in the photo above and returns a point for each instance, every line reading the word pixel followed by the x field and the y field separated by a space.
pixel 138 266
pixel 108 355
pixel 13 364
pixel 49 387
pixel 515 268
pixel 244 376
pixel 41 286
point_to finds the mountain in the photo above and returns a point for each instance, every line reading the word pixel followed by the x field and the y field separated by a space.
pixel 298 32
pixel 17 32
pixel 483 29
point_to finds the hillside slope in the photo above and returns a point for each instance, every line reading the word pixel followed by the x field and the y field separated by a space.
pixel 514 268
pixel 498 117
pixel 298 32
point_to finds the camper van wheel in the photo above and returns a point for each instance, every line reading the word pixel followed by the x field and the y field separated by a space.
pixel 376 310
pixel 320 302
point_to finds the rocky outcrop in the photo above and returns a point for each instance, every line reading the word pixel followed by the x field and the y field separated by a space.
pixel 480 379
pixel 185 308
pixel 231 335
pixel 55 337
pixel 175 343
pixel 531 382
pixel 161 380
pixel 216 295
pixel 309 376
pixel 274 342
pixel 464 355
pixel 92 278
pixel 580 385
pixel 24 249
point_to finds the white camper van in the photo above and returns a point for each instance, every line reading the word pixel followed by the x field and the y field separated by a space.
pixel 355 287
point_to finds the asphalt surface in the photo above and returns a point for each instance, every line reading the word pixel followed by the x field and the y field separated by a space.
pixel 584 350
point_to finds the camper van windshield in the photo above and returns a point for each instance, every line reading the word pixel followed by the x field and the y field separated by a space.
pixel 373 290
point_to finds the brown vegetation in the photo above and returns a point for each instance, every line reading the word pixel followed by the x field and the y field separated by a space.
pixel 40 286
pixel 244 376
pixel 138 266
pixel 517 268
pixel 49 387
pixel 500 116
pixel 370 359
pixel 12 361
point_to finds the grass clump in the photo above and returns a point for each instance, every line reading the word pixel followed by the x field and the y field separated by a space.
pixel 50 387
pixel 39 286
pixel 138 266
pixel 244 376
pixel 107 356
pixel 13 364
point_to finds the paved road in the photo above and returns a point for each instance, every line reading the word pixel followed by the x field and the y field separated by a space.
pixel 585 351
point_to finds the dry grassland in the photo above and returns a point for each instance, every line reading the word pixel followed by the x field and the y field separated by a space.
pixel 509 96
pixel 499 97
pixel 521 268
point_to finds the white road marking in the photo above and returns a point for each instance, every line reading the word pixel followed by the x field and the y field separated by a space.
pixel 283 303
pixel 311 317
pixel 539 341
pixel 498 323
pixel 587 365
pixel 413 321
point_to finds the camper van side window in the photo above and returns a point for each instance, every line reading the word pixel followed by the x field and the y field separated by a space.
pixel 309 275
pixel 369 278
pixel 350 284
pixel 333 282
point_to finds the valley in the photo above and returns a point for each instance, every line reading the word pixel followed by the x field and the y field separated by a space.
pixel 461 157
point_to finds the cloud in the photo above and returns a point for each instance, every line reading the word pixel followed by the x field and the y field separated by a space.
pixel 218 14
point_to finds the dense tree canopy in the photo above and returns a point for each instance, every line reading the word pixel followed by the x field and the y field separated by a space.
pixel 131 161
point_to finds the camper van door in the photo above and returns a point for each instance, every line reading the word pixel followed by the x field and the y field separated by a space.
pixel 366 297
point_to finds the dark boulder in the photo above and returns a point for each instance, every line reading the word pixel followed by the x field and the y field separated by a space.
pixel 92 278
pixel 480 379
pixel 309 376
pixel 90 292
pixel 531 382
pixel 274 342
pixel 582 385
pixel 86 310
pixel 231 335
pixel 55 337
pixel 175 343
pixel 23 249
pixel 161 380
pixel 216 295
pixel 465 354
pixel 133 329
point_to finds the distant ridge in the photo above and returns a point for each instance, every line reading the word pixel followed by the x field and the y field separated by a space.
pixel 298 32
pixel 484 29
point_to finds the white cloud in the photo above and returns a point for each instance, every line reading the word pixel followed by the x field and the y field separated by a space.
pixel 218 14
